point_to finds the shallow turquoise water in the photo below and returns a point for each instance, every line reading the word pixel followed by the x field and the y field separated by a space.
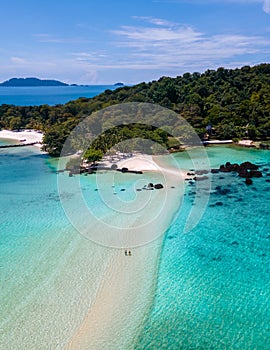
pixel 213 287
pixel 213 284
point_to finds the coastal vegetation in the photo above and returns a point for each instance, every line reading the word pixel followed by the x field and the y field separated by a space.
pixel 225 103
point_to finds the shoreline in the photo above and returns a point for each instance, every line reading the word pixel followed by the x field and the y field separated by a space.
pixel 145 163
pixel 24 137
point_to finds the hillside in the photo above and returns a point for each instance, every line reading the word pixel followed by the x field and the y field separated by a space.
pixel 235 102
pixel 31 82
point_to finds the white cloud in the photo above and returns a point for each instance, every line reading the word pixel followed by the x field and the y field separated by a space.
pixel 18 60
pixel 266 6
pixel 153 34
pixel 175 45
pixel 46 38
pixel 153 20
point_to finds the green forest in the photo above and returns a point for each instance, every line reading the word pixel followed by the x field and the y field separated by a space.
pixel 235 102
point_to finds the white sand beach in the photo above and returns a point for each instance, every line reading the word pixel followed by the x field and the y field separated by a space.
pixel 146 162
pixel 127 288
pixel 247 143
pixel 122 302
pixel 25 136
pixel 142 162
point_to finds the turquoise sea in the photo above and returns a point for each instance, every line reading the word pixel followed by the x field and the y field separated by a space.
pixel 212 290
pixel 51 95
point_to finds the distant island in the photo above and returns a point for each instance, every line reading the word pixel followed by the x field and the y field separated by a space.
pixel 36 82
pixel 30 82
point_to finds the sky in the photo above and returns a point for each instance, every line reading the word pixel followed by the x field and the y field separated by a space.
pixel 104 42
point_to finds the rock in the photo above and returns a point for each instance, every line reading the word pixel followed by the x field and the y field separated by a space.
pixel 190 174
pixel 114 166
pixel 200 178
pixel 214 171
pixel 150 185
pixel 248 182
pixel 124 170
pixel 224 191
pixel 249 166
pixel 158 186
pixel 244 173
pixel 264 146
pixel 223 169
pixel 219 204
pixel 256 173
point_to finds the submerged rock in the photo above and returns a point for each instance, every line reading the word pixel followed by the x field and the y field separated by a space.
pixel 200 178
pixel 248 182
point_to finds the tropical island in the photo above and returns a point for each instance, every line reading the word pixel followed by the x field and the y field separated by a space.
pixel 223 104
pixel 31 82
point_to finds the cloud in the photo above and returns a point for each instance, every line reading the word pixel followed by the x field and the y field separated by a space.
pixel 46 38
pixel 137 35
pixel 153 20
pixel 172 45
pixel 18 60
pixel 266 6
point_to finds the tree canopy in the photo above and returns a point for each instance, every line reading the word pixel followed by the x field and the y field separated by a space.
pixel 235 102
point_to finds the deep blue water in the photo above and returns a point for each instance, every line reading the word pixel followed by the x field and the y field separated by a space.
pixel 31 96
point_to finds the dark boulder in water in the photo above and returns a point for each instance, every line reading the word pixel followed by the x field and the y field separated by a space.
pixel 219 204
pixel 248 182
pixel 255 173
pixel 158 186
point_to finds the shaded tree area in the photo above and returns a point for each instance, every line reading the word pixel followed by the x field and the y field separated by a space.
pixel 235 102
